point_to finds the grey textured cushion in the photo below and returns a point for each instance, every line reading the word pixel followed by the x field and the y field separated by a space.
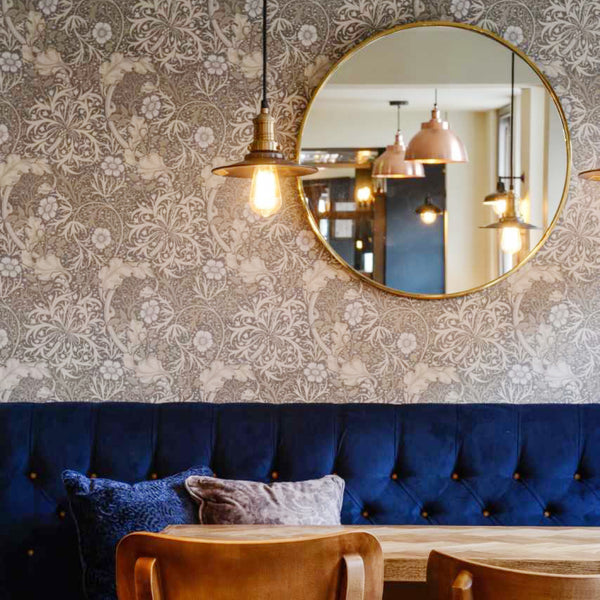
pixel 231 502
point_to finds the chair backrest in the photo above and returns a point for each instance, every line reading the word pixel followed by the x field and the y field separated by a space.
pixel 450 578
pixel 345 566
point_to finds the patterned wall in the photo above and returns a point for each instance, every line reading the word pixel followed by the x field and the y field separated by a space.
pixel 129 272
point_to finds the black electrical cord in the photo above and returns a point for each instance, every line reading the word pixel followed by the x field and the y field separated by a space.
pixel 265 103
pixel 512 122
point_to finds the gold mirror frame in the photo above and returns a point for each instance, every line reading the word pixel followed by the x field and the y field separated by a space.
pixel 549 88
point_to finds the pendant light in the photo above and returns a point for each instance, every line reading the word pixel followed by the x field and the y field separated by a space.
pixel 428 212
pixel 265 163
pixel 391 164
pixel 436 143
pixel 498 199
pixel 510 222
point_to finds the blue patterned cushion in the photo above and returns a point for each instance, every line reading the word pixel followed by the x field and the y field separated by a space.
pixel 106 510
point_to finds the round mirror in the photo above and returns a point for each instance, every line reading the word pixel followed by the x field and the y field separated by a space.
pixel 443 158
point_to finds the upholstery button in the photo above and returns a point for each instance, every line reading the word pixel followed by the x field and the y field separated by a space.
pixel 424 514
pixel 394 476
pixel 153 475
pixel 455 476
pixel 577 476
pixel 547 514
pixel 33 475
pixel 30 552
pixel 486 513
pixel 517 476
pixel 365 514
pixel 274 475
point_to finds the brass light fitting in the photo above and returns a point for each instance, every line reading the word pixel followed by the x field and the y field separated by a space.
pixel 428 212
pixel 265 161
pixel 264 151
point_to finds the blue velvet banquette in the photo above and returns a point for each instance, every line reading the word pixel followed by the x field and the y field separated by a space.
pixel 403 464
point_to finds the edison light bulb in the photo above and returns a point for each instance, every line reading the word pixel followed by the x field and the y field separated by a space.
pixel 499 207
pixel 265 193
pixel 428 217
pixel 510 240
pixel 363 194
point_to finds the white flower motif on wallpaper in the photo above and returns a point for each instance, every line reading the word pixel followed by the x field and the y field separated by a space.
pixel 307 35
pixel 48 6
pixel 514 35
pixel 315 372
pixel 47 208
pixel 129 272
pixel 203 341
pixel 10 62
pixel 204 137
pixel 9 267
pixel 102 33
pixel 111 370
pixel 460 8
pixel 151 106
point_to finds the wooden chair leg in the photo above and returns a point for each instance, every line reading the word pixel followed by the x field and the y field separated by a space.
pixel 462 586
pixel 147 584
pixel 355 577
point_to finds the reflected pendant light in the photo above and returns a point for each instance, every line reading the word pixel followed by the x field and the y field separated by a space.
pixel 510 222
pixel 436 143
pixel 265 163
pixel 428 212
pixel 391 164
pixel 499 199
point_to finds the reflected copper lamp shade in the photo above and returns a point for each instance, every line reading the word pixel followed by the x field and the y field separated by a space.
pixel 392 164
pixel 436 143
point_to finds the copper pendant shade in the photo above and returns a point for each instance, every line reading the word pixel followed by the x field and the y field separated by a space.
pixel 264 151
pixel 436 143
pixel 392 164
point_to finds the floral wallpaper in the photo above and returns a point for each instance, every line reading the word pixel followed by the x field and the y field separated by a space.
pixel 128 272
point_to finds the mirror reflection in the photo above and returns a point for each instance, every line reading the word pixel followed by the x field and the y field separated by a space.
pixel 442 160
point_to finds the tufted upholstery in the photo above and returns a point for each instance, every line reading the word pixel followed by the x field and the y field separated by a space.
pixel 415 464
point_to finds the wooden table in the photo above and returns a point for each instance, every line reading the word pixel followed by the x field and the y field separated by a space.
pixel 405 548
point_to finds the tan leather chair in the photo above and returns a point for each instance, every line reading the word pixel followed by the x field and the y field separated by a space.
pixel 450 578
pixel 345 566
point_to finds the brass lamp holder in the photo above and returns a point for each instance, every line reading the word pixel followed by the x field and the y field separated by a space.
pixel 510 218
pixel 263 151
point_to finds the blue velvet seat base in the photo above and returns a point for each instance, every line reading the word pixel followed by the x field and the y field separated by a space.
pixel 453 463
